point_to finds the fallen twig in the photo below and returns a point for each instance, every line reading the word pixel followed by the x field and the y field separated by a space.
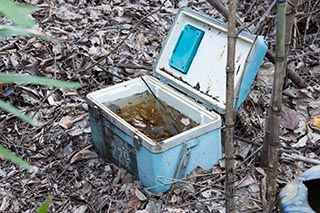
pixel 223 10
pixel 296 157
pixel 263 17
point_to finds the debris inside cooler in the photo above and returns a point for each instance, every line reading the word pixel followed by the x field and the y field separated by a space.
pixel 151 116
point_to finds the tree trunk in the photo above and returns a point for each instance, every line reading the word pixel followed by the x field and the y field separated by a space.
pixel 271 141
pixel 292 8
pixel 229 147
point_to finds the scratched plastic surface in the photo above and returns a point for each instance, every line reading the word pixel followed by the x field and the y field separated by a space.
pixel 156 120
pixel 302 194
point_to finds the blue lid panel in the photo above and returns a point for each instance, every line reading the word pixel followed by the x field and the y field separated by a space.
pixel 186 48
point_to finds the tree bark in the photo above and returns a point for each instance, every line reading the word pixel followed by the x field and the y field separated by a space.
pixel 271 142
pixel 223 10
pixel 291 7
pixel 229 147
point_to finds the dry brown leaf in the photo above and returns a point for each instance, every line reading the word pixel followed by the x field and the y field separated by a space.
pixel 254 188
pixel 244 149
pixel 175 199
pixel 265 75
pixel 4 204
pixel 134 204
pixel 102 202
pixel 86 188
pixel 77 196
pixel 80 209
pixel 66 122
pixel 125 18
pixel 316 122
pixel 140 195
pixel 209 193
pixel 261 171
pixel 143 211
pixel 302 142
pixel 121 173
pixel 289 118
pixel 246 181
pixel 83 155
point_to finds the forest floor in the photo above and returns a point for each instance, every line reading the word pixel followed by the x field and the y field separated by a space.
pixel 60 145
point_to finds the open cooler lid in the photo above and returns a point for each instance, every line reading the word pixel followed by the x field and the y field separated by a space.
pixel 194 55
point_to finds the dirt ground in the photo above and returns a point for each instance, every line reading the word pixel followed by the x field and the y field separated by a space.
pixel 60 145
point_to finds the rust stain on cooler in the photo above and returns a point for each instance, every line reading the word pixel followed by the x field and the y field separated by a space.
pixel 208 89
pixel 221 54
pixel 238 58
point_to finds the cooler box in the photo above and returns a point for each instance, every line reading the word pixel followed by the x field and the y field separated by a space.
pixel 188 76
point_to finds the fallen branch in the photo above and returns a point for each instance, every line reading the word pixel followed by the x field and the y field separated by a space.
pixel 295 157
pixel 223 10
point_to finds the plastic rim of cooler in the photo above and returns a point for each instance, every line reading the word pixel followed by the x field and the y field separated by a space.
pixel 194 60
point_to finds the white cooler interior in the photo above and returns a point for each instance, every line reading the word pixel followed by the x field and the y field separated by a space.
pixel 208 121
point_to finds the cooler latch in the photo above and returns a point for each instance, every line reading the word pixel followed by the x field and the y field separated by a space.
pixel 137 141
pixel 184 158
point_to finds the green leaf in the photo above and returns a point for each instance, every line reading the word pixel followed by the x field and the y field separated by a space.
pixel 6 30
pixel 11 109
pixel 29 79
pixel 25 8
pixel 15 159
pixel 45 206
pixel 18 13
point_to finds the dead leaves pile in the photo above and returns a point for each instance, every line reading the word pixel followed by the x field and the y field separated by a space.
pixel 60 144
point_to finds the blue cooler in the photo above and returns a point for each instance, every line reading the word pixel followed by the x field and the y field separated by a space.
pixel 188 75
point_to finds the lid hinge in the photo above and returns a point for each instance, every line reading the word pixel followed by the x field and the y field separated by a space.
pixel 96 111
pixel 137 141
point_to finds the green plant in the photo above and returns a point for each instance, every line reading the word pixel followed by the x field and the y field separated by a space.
pixel 19 15
pixel 45 206
pixel 22 24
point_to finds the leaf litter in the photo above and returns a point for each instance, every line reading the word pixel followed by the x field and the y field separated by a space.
pixel 60 144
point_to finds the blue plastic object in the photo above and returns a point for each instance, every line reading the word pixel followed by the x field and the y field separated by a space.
pixel 156 164
pixel 189 71
pixel 155 170
pixel 186 48
pixel 252 67
pixel 294 196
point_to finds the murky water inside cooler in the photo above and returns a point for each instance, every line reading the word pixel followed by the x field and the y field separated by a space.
pixel 151 116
